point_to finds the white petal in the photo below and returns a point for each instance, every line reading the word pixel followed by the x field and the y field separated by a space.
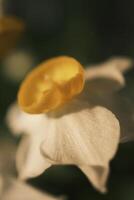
pixel 100 92
pixel 84 137
pixel 121 63
pixel 16 190
pixel 108 76
pixel 103 79
pixel 21 122
pixel 122 106
pixel 29 161
pixel 98 175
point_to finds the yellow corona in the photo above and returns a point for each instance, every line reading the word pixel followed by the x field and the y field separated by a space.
pixel 51 84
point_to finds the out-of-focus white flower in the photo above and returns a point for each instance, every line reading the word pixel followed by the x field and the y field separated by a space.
pixel 80 132
pixel 16 190
pixel 17 64
pixel 7 158
pixel 1 185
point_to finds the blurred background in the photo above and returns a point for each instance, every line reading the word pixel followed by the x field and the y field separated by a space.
pixel 90 31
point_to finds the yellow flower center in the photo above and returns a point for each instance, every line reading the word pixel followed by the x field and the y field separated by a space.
pixel 51 84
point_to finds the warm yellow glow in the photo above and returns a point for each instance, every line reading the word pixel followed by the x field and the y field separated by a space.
pixel 11 29
pixel 51 84
pixel 10 23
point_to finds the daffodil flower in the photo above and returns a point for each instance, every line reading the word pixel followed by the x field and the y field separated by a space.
pixel 62 121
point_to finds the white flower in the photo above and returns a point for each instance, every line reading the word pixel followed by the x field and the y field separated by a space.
pixel 79 132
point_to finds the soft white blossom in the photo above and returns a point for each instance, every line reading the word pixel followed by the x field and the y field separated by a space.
pixel 83 132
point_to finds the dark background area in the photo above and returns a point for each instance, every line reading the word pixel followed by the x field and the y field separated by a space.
pixel 91 31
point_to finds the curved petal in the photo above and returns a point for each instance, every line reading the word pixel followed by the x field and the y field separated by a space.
pixel 29 161
pixel 103 79
pixel 98 175
pixel 13 119
pixel 121 103
pixel 20 122
pixel 123 107
pixel 106 78
pixel 84 137
pixel 121 63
